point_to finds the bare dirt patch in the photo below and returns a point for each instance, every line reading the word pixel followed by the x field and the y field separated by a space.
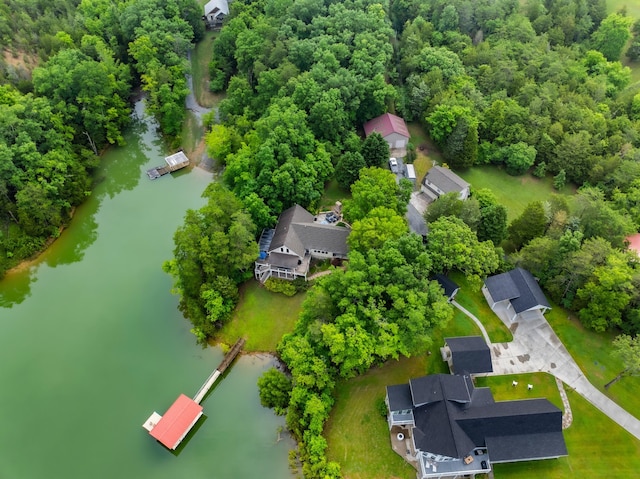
pixel 20 60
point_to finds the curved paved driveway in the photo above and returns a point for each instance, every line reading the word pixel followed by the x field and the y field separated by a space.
pixel 536 348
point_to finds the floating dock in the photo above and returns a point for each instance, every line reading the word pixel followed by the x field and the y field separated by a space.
pixel 173 162
pixel 184 413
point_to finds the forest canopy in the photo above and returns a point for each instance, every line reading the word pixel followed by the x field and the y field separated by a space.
pixel 67 74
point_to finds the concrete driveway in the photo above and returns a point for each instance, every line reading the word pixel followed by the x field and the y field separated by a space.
pixel 536 348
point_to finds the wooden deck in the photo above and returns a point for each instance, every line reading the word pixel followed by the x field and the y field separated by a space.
pixel 226 362
pixel 173 162
pixel 157 172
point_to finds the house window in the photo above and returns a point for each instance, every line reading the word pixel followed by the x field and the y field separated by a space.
pixel 287 250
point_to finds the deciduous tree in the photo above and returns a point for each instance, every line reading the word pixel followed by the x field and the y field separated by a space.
pixel 627 349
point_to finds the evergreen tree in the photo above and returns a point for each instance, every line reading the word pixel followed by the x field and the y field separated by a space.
pixel 375 150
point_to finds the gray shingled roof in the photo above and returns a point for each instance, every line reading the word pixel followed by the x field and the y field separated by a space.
pixel 297 230
pixel 520 287
pixel 399 397
pixel 447 284
pixel 445 179
pixel 470 355
pixel 216 6
pixel 510 430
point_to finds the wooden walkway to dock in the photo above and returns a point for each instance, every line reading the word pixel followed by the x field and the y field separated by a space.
pixel 226 362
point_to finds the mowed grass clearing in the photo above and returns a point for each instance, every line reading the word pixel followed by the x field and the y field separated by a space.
pixel 632 6
pixel 332 193
pixel 262 317
pixel 592 351
pixel 471 298
pixel 597 446
pixel 201 56
pixel 514 192
pixel 357 434
pixel 427 152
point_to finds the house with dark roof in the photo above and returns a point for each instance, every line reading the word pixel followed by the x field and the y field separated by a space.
pixel 392 128
pixel 468 355
pixel 447 428
pixel 287 250
pixel 439 181
pixel 449 286
pixel 517 291
pixel 215 11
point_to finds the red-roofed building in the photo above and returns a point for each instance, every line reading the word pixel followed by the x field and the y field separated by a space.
pixel 634 243
pixel 392 128
pixel 171 429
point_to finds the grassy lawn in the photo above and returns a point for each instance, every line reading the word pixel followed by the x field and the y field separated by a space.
pixel 592 352
pixel 358 436
pixel 514 192
pixel 633 7
pixel 200 58
pixel 332 193
pixel 427 152
pixel 261 317
pixel 473 300
pixel 597 446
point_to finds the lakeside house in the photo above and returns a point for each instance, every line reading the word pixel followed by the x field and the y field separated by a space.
pixel 518 292
pixel 287 250
pixel 440 180
pixel 215 11
pixel 448 428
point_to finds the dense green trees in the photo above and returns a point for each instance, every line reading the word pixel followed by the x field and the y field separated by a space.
pixel 275 390
pixel 377 187
pixel 453 245
pixel 91 92
pixel 42 174
pixel 214 252
pixel 612 36
pixel 76 102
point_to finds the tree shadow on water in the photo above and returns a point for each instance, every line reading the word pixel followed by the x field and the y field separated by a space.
pixel 121 165
pixel 15 287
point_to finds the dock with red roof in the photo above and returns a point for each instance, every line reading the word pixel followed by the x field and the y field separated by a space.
pixel 184 413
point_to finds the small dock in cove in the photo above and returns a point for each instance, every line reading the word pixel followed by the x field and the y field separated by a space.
pixel 184 413
pixel 173 163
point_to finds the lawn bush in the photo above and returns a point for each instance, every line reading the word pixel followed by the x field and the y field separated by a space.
pixel 280 286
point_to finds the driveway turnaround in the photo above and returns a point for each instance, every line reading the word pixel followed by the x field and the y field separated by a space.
pixel 536 348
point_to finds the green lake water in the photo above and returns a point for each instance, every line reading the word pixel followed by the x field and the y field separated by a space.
pixel 91 343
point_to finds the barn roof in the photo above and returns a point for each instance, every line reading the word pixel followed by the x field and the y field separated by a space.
pixel 387 124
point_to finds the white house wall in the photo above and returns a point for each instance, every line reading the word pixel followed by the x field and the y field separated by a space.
pixel 396 140
pixel 284 250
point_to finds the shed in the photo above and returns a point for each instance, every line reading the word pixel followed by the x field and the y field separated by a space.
pixel 449 286
pixel 468 355
pixel 215 12
pixel 176 423
pixel 176 161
